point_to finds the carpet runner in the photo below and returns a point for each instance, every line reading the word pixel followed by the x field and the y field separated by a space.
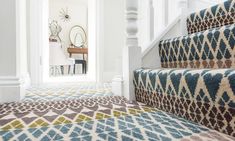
pixel 196 80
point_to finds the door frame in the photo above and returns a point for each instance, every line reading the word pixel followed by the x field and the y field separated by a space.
pixel 39 43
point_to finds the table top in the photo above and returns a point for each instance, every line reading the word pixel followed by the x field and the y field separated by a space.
pixel 77 50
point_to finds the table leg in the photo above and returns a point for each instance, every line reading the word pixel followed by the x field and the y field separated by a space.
pixel 62 70
pixel 85 67
pixel 74 66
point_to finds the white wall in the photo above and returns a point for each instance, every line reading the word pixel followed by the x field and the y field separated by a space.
pixel 196 5
pixel 13 39
pixel 77 9
pixel 114 37
pixel 8 39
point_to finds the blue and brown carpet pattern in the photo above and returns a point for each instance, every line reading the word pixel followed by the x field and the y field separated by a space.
pixel 110 118
pixel 197 78
pixel 216 16
pixel 203 96
pixel 213 48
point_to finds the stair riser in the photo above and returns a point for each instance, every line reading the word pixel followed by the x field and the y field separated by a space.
pixel 202 113
pixel 203 96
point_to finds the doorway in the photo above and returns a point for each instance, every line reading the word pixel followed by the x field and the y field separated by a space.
pixel 40 67
pixel 68 42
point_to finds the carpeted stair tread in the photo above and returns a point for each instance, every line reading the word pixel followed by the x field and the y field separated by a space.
pixel 214 48
pixel 216 16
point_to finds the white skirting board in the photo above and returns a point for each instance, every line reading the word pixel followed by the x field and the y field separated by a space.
pixel 117 86
pixel 13 88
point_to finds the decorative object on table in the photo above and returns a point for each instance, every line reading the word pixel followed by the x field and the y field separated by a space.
pixel 55 29
pixel 64 15
pixel 78 36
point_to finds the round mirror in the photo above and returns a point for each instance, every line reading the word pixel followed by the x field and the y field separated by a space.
pixel 78 36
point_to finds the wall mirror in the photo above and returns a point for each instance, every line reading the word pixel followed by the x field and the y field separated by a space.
pixel 78 36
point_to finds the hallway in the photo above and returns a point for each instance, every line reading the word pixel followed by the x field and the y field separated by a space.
pixel 67 91
pixel 89 111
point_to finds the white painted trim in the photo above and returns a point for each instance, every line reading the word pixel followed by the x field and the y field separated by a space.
pixel 11 89
pixel 132 51
pixel 11 81
pixel 39 43
pixel 27 81
pixel 151 20
pixel 35 45
pixel 117 85
pixel 100 40
pixel 11 85
pixel 184 5
pixel 161 35
pixel 92 40
pixel 166 12
pixel 18 47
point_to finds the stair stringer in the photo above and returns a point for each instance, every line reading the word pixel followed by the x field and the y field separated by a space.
pixel 150 56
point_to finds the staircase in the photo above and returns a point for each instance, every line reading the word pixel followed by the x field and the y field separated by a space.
pixel 196 80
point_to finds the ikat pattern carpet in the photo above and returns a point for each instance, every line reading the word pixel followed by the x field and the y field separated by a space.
pixel 204 96
pixel 197 75
pixel 216 16
pixel 100 117
pixel 67 91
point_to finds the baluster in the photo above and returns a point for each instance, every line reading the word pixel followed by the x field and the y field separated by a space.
pixel 183 4
pixel 151 20
pixel 166 12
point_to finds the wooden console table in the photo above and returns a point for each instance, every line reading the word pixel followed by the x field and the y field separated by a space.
pixel 72 51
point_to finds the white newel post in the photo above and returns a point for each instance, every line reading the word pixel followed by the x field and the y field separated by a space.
pixel 132 52
pixel 183 5
pixel 13 50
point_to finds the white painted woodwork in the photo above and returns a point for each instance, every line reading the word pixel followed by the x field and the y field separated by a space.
pixel 13 50
pixel 35 22
pixel 166 12
pixel 183 4
pixel 132 52
pixel 117 85
pixel 160 36
pixel 151 20
pixel 113 37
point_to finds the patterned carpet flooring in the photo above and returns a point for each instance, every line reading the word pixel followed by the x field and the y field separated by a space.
pixel 67 92
pixel 90 112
